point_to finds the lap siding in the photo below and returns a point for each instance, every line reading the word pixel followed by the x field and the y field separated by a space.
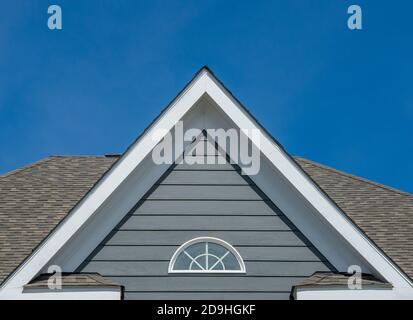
pixel 205 200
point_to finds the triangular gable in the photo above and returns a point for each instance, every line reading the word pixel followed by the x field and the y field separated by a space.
pixel 276 161
pixel 209 199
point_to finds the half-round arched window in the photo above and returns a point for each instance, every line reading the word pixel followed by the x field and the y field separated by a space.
pixel 205 254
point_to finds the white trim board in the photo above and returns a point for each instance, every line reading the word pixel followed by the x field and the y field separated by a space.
pixel 328 293
pixel 79 293
pixel 205 84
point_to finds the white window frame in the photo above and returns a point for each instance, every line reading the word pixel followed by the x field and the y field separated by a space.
pixel 217 241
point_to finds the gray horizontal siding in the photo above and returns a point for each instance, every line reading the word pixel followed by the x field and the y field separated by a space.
pixel 202 192
pixel 204 163
pixel 213 207
pixel 164 253
pixel 140 222
pixel 242 238
pixel 160 268
pixel 192 201
pixel 278 253
pixel 205 177
pixel 191 295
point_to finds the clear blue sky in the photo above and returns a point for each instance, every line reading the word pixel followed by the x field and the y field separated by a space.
pixel 343 98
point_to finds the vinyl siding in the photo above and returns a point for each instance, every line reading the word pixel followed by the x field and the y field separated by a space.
pixel 205 200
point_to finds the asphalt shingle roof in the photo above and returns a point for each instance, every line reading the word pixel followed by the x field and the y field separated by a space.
pixel 340 279
pixel 330 279
pixel 383 213
pixel 34 199
pixel 73 280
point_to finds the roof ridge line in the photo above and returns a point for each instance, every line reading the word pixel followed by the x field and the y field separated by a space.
pixel 352 176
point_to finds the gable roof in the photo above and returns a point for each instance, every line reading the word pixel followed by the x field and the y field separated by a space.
pixel 205 84
pixel 34 199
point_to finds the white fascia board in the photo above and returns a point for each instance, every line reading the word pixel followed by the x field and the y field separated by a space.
pixel 347 294
pixel 206 83
pixel 63 294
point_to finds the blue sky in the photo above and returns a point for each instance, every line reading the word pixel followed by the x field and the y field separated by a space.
pixel 342 98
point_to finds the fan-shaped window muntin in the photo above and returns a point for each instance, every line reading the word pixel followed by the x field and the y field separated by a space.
pixel 206 255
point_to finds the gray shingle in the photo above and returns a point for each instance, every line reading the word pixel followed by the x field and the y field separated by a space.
pixel 35 198
pixel 326 279
pixel 383 213
pixel 73 280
